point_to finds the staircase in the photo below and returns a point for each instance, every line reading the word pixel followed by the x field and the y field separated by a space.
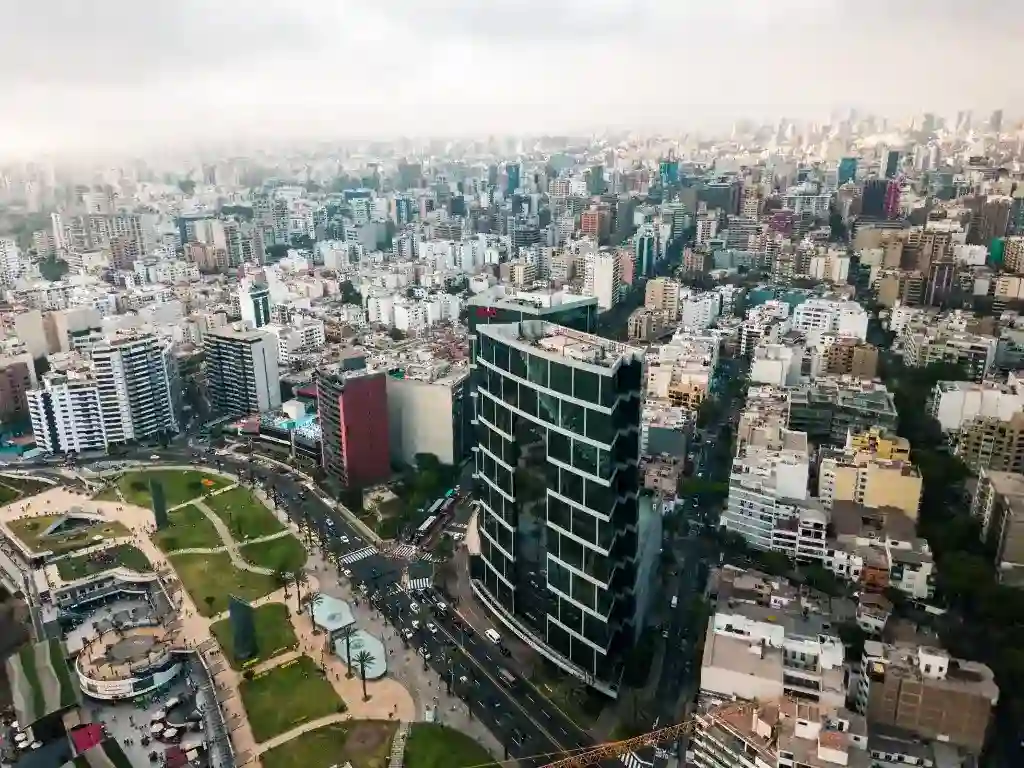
pixel 398 746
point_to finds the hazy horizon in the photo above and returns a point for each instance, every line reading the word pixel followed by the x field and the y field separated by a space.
pixel 84 76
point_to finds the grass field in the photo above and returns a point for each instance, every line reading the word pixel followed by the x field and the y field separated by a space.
pixel 282 554
pixel 123 555
pixel 214 576
pixel 286 697
pixel 180 485
pixel 30 531
pixel 107 494
pixel 436 746
pixel 362 743
pixel 189 529
pixel 244 515
pixel 274 633
pixel 12 489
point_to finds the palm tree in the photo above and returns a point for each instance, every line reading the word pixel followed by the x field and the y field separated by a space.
pixel 281 579
pixel 300 578
pixel 364 659
pixel 346 634
pixel 314 600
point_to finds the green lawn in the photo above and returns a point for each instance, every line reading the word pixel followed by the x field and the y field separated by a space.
pixel 244 515
pixel 283 554
pixel 363 743
pixel 180 485
pixel 286 697
pixel 14 488
pixel 30 531
pixel 189 529
pixel 123 555
pixel 437 746
pixel 107 494
pixel 214 576
pixel 274 633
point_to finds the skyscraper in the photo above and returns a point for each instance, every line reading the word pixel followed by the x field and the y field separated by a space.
pixel 512 173
pixel 254 303
pixel 995 122
pixel 353 408
pixel 242 371
pixel 567 544
pixel 891 163
pixel 847 169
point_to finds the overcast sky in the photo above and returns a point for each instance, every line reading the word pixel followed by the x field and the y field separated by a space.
pixel 84 73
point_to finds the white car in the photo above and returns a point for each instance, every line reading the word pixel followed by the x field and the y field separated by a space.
pixel 414 624
pixel 431 628
pixel 407 634
pixel 347 573
pixel 154 457
pixel 344 540
pixel 414 606
pixel 425 654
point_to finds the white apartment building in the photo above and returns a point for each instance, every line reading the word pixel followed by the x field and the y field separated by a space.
pixel 304 336
pixel 830 267
pixel 11 265
pixel 846 318
pixel 766 652
pixel 767 322
pixel 955 403
pixel 381 310
pixel 242 371
pixel 173 272
pixel 137 378
pixel 776 364
pixel 66 414
pixel 767 483
pixel 601 278
pixel 699 310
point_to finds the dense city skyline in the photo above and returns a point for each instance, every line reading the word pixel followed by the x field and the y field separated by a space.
pixel 125 75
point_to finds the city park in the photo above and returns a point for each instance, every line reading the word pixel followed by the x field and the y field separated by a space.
pixel 312 689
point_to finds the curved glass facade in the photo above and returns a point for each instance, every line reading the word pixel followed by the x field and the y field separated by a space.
pixel 556 461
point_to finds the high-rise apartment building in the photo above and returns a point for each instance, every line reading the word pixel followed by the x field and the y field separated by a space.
pixel 998 505
pixel 602 278
pixel 254 304
pixel 662 294
pixel 353 408
pixel 137 378
pixel 66 414
pixel 992 443
pixel 567 544
pixel 242 371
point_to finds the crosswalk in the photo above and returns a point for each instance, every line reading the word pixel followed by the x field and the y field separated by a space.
pixel 403 552
pixel 419 583
pixel 429 557
pixel 357 555
pixel 633 760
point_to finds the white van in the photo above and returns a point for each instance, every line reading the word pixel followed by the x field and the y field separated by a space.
pixel 493 636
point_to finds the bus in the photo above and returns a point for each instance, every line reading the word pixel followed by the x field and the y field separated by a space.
pixel 435 508
pixel 425 528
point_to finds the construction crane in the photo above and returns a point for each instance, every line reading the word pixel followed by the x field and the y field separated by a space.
pixel 616 749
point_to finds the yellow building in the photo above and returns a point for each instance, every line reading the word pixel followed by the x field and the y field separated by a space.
pixel 880 443
pixel 865 479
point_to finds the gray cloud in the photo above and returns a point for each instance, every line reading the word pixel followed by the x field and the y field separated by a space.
pixel 75 72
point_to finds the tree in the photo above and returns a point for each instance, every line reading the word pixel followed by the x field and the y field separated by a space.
pixel 187 186
pixel 363 660
pixel 349 293
pixel 209 600
pixel 397 334
pixel 281 580
pixel 300 578
pixel 52 268
pixel 345 633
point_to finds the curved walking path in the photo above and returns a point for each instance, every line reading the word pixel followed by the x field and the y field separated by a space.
pixel 219 550
pixel 388 699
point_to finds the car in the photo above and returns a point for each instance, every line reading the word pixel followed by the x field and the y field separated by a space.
pixel 407 634
pixel 344 540
pixel 415 625
pixel 504 651
pixel 346 573
pixel 425 654
pixel 664 633
pixel 463 679
pixel 413 605
pixel 431 628
pixel 330 523
pixel 154 457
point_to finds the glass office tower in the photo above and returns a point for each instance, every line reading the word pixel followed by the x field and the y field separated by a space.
pixel 564 555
